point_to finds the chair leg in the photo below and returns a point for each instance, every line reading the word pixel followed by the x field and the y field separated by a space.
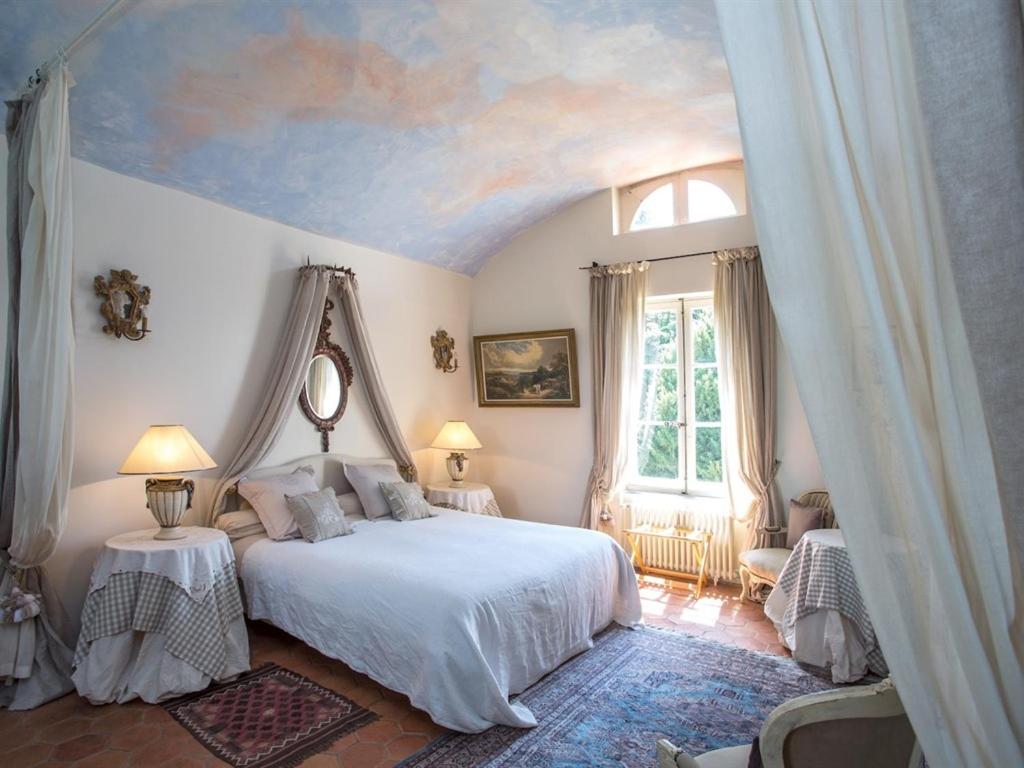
pixel 745 582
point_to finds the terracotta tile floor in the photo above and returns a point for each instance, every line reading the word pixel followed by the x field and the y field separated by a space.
pixel 70 732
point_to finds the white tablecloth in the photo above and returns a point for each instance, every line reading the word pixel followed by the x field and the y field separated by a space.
pixel 470 497
pixel 818 611
pixel 192 563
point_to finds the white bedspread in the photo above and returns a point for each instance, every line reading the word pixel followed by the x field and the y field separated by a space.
pixel 458 612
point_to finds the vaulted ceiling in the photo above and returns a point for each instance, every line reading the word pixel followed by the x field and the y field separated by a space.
pixel 435 129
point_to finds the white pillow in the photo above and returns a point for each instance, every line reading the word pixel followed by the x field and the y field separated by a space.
pixel 267 497
pixel 238 525
pixel 351 505
pixel 366 478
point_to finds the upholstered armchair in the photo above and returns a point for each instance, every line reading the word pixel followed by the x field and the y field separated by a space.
pixel 761 567
pixel 846 728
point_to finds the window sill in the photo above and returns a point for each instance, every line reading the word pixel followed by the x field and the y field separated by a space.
pixel 661 493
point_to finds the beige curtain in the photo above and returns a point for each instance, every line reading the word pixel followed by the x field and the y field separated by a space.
pixel 844 179
pixel 294 351
pixel 618 296
pixel 38 399
pixel 369 374
pixel 745 329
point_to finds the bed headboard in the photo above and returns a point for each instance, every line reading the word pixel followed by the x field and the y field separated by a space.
pixel 328 469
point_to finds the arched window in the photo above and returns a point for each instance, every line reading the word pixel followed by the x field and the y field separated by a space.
pixel 656 210
pixel 705 201
pixel 684 197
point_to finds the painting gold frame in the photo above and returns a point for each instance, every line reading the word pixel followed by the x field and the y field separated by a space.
pixel 572 375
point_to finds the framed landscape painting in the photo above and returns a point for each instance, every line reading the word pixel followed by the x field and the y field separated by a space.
pixel 527 369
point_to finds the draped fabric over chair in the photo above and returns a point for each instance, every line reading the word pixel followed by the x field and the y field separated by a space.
pixel 294 351
pixel 745 329
pixel 618 296
pixel 369 374
pixel 841 171
pixel 38 393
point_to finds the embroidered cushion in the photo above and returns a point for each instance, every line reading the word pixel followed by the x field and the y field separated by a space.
pixel 801 520
pixel 267 497
pixel 366 479
pixel 406 501
pixel 318 515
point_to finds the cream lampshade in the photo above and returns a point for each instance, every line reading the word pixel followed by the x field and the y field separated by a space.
pixel 167 449
pixel 457 437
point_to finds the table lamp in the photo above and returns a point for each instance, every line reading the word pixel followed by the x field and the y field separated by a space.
pixel 167 449
pixel 457 437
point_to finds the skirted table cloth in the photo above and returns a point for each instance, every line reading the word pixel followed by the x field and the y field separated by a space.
pixel 469 497
pixel 818 610
pixel 162 618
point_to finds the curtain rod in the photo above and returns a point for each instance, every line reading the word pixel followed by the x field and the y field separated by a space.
pixel 662 258
pixel 69 49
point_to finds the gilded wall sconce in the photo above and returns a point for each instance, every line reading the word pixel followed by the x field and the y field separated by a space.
pixel 124 304
pixel 444 352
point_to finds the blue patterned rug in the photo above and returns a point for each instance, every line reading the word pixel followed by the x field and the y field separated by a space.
pixel 610 705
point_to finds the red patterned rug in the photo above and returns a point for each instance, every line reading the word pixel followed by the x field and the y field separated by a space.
pixel 270 717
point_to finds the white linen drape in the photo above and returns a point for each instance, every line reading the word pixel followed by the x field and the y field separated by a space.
pixel 366 363
pixel 856 258
pixel 294 351
pixel 745 332
pixel 618 297
pixel 39 386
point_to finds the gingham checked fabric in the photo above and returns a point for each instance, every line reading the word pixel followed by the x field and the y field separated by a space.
pixel 817 578
pixel 146 602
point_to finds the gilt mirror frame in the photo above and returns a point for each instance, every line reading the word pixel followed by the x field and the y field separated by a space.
pixel 330 350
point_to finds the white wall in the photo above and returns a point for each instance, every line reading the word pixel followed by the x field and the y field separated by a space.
pixel 221 282
pixel 538 460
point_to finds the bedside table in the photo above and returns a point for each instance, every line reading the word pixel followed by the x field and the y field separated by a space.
pixel 162 618
pixel 469 497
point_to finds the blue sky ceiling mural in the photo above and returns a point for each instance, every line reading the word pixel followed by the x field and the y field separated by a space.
pixel 434 129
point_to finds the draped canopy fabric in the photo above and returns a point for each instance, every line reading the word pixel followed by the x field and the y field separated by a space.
pixel 618 296
pixel 369 374
pixel 38 398
pixel 857 261
pixel 745 329
pixel 294 351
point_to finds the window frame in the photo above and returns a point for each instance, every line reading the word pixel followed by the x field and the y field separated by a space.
pixel 687 482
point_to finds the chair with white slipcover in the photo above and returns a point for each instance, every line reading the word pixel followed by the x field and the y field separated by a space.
pixel 846 728
pixel 761 567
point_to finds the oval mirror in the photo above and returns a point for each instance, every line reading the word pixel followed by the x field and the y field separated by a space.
pixel 325 389
pixel 323 386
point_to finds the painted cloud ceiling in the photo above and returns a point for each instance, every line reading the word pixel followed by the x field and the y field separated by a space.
pixel 435 129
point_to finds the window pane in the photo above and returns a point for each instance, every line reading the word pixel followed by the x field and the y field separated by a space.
pixel 657 210
pixel 660 396
pixel 706 406
pixel 660 334
pixel 709 454
pixel 705 200
pixel 702 330
pixel 657 452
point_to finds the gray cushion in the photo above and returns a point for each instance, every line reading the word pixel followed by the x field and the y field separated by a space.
pixel 729 757
pixel 366 479
pixel 351 506
pixel 318 515
pixel 765 563
pixel 802 518
pixel 406 501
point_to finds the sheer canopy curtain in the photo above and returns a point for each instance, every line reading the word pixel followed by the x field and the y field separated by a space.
pixel 38 392
pixel 618 297
pixel 856 258
pixel 745 329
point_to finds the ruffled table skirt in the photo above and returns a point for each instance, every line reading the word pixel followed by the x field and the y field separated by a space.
pixel 134 664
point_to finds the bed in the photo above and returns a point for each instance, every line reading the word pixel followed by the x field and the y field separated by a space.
pixel 459 612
